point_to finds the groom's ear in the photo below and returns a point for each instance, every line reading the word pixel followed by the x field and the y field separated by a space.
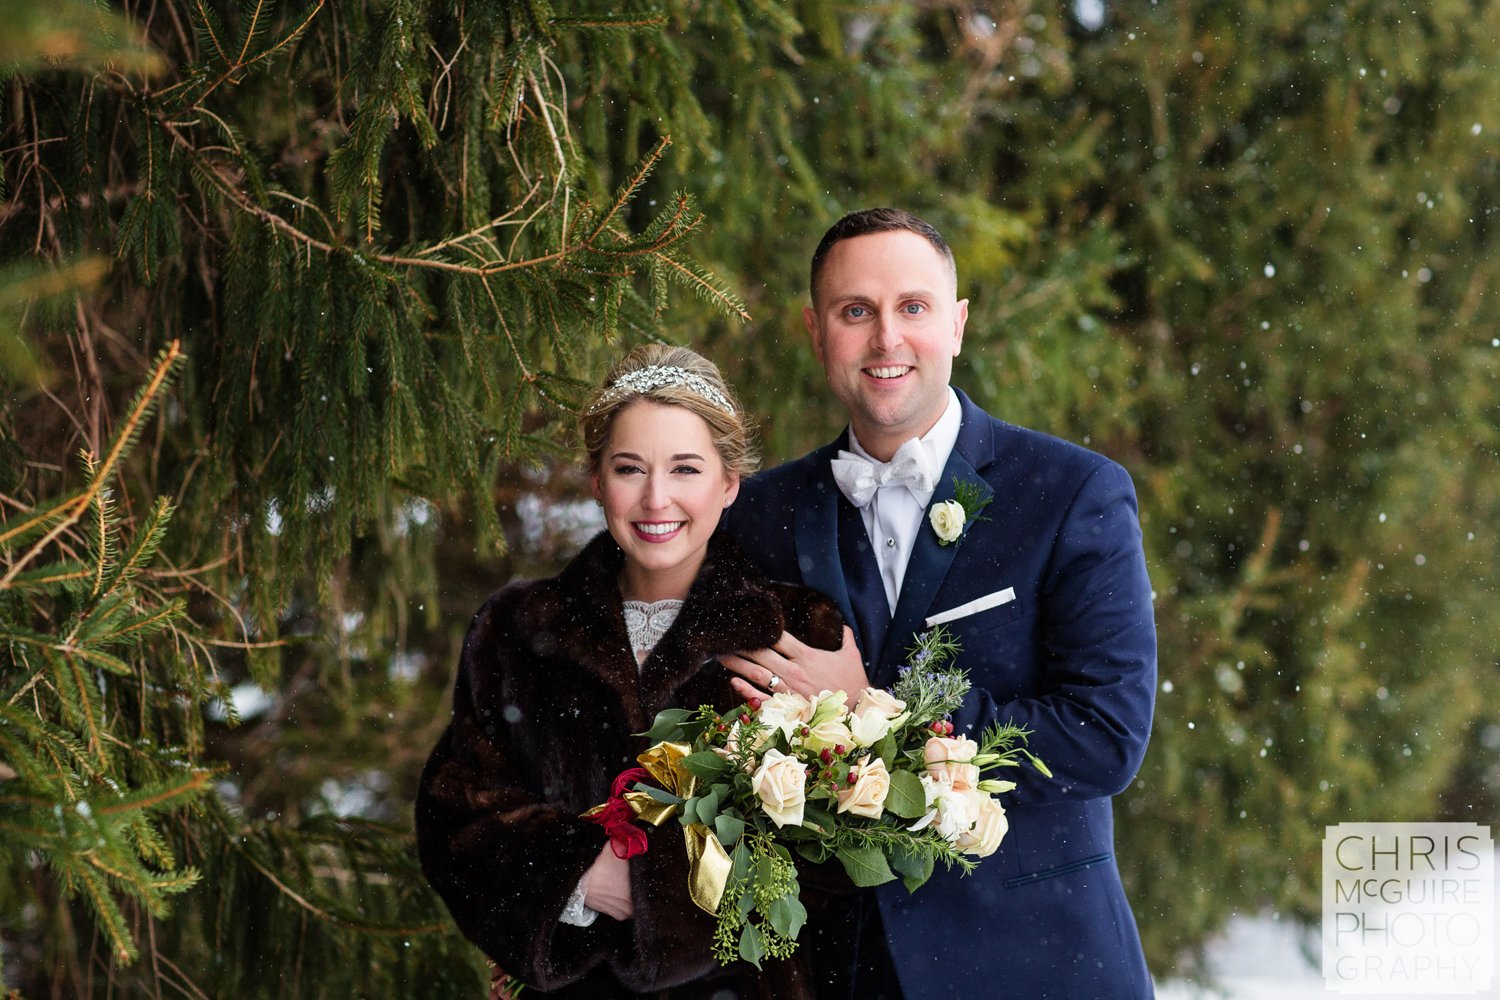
pixel 814 331
pixel 960 317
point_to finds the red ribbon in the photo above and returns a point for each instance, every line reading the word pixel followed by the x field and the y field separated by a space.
pixel 626 839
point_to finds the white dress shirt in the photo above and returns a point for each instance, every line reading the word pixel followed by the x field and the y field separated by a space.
pixel 893 518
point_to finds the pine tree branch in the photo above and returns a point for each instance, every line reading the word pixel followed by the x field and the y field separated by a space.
pixel 705 287
pixel 630 187
pixel 241 63
pixel 74 509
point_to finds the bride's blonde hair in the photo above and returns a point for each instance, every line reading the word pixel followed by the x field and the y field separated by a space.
pixel 672 376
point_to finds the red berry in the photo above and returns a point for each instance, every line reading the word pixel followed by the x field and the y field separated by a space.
pixel 853 776
pixel 825 755
pixel 839 749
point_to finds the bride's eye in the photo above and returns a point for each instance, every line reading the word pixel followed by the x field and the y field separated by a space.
pixel 688 468
pixel 627 470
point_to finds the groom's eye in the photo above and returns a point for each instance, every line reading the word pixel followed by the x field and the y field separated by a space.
pixel 856 312
pixel 913 308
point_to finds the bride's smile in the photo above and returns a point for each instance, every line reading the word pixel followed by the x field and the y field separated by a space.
pixel 663 487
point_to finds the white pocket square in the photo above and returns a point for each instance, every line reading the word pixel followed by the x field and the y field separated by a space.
pixel 973 607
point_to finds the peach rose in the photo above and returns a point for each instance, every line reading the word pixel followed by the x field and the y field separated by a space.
pixel 781 783
pixel 955 748
pixel 961 777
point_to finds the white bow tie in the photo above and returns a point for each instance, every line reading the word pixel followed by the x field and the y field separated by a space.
pixel 859 477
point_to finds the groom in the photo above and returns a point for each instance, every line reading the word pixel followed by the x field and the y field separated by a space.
pixel 1046 591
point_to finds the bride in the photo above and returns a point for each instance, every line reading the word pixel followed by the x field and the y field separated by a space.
pixel 556 676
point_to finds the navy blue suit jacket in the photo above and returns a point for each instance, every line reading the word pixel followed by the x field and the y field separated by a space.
pixel 1071 657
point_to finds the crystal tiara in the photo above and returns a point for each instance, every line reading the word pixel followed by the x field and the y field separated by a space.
pixel 643 380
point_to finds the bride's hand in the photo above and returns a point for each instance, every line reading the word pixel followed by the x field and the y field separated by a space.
pixel 609 885
pixel 798 667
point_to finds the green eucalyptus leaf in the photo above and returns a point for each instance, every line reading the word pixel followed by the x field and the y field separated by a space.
pixel 728 829
pixel 787 916
pixel 752 945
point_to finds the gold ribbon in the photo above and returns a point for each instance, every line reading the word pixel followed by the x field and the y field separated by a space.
pixel 708 863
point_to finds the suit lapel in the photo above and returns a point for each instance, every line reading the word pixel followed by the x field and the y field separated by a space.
pixel 930 562
pixel 817 534
pixel 862 576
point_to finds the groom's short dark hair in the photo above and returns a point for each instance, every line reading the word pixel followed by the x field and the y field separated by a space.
pixel 875 220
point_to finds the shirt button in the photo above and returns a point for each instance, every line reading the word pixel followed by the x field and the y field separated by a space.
pixel 890 543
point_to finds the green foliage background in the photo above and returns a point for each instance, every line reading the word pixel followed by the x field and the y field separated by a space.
pixel 1248 250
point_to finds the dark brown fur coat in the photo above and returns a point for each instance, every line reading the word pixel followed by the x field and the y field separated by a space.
pixel 547 698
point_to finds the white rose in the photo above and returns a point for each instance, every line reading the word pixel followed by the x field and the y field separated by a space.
pixel 947 520
pixel 785 711
pixel 830 734
pixel 866 797
pixel 875 714
pixel 955 748
pixel 781 783
pixel 989 829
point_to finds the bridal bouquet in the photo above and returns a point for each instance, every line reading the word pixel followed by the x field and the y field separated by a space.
pixel 886 788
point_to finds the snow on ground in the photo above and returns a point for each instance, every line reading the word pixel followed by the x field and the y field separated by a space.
pixel 1267 958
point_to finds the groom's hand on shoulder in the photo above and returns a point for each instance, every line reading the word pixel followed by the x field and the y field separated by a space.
pixel 796 666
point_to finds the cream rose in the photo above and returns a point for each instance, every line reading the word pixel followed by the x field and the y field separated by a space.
pixel 785 711
pixel 875 714
pixel 781 783
pixel 866 797
pixel 947 520
pixel 960 749
pixel 989 829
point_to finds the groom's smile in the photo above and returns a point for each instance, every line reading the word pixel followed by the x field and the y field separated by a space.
pixel 886 325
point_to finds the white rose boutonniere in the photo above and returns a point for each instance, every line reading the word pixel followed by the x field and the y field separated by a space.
pixel 951 518
pixel 947 520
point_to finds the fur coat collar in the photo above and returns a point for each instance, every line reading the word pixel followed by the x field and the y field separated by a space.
pixel 731 606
